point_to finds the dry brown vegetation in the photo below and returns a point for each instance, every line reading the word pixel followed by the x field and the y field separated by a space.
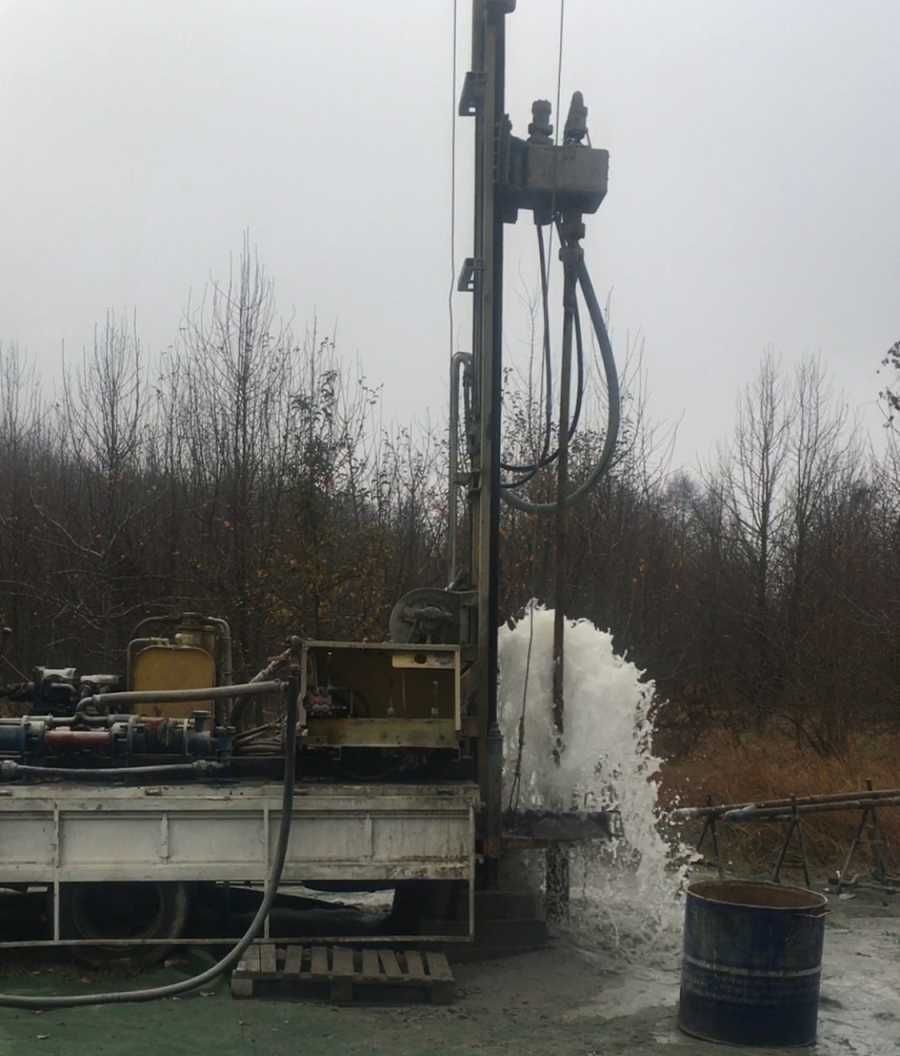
pixel 732 767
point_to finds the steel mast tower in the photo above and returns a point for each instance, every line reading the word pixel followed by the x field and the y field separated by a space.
pixel 483 97
pixel 558 183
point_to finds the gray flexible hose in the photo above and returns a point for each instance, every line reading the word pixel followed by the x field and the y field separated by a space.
pixel 171 696
pixel 613 409
pixel 11 769
pixel 173 989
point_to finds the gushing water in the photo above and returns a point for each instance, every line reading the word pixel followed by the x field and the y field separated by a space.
pixel 625 894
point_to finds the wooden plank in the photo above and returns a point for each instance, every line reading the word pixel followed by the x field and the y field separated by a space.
pixel 319 961
pixel 429 972
pixel 390 964
pixel 370 967
pixel 342 960
pixel 268 965
pixel 293 960
pixel 341 975
pixel 439 967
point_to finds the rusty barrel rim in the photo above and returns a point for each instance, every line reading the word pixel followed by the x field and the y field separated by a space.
pixel 758 894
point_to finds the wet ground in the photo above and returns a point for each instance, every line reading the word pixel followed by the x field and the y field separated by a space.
pixel 558 1001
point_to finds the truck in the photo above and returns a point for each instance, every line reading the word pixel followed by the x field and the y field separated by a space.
pixel 133 796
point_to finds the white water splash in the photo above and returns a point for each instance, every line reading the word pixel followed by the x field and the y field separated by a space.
pixel 625 894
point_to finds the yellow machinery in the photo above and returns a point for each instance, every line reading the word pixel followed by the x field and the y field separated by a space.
pixel 195 654
pixel 382 695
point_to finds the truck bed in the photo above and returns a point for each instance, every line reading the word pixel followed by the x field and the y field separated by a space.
pixel 74 833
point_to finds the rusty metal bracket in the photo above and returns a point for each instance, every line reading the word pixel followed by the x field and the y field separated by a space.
pixel 472 95
pixel 710 828
pixel 869 826
pixel 466 281
pixel 794 826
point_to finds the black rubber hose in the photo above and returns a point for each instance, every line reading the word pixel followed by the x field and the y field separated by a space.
pixel 613 409
pixel 274 878
pixel 532 471
pixel 509 467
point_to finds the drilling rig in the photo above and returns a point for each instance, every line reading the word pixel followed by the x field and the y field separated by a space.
pixel 114 784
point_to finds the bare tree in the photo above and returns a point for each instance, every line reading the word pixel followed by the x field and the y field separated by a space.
pixel 890 394
pixel 752 485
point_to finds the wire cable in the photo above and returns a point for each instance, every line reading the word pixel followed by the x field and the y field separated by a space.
pixel 556 122
pixel 547 363
pixel 531 471
pixel 613 408
pixel 517 775
pixel 546 372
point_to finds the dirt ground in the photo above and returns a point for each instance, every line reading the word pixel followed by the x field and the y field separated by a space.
pixel 559 1001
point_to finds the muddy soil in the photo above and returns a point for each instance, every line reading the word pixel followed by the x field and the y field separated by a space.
pixel 566 999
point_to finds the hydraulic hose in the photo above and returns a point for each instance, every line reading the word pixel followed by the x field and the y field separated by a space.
pixel 215 970
pixel 168 696
pixel 531 471
pixel 11 769
pixel 613 409
pixel 547 368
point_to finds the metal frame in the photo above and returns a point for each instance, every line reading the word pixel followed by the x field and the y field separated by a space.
pixel 791 811
pixel 396 648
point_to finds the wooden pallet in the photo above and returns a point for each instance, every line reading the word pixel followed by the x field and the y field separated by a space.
pixel 348 973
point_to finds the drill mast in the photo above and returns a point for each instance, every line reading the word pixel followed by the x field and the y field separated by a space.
pixel 558 183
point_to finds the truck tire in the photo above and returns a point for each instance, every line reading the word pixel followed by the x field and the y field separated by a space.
pixel 100 911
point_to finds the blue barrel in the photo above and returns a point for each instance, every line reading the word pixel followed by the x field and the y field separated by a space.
pixel 752 962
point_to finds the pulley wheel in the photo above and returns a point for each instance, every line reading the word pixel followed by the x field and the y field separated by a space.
pixel 426 615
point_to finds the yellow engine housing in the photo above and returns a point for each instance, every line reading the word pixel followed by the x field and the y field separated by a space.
pixel 168 666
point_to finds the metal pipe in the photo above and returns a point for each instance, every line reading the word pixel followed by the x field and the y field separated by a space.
pixel 224 663
pixel 770 813
pixel 77 722
pixel 276 663
pixel 223 940
pixel 67 739
pixel 225 639
pixel 459 359
pixel 149 620
pixel 560 600
pixel 764 804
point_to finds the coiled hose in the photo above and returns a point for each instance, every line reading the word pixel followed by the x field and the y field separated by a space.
pixel 613 408
pixel 215 970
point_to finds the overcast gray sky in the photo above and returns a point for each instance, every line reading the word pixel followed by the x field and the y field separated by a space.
pixel 753 202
